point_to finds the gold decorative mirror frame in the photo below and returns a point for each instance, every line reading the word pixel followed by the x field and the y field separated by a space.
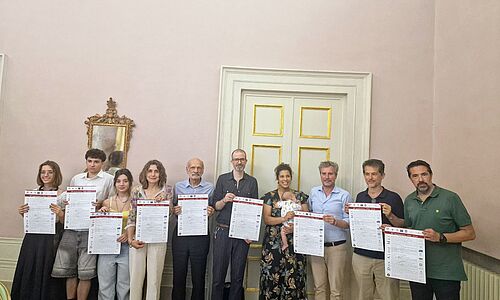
pixel 110 133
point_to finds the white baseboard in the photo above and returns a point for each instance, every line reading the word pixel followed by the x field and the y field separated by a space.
pixel 9 252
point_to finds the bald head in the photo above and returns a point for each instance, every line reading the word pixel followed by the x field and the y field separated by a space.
pixel 195 160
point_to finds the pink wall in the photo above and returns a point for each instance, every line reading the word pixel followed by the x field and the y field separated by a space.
pixel 161 60
pixel 467 112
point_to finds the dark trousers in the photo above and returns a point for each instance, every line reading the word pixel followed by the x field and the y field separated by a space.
pixel 193 249
pixel 227 250
pixel 443 289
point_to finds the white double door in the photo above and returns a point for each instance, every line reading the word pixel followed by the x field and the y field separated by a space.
pixel 296 128
pixel 300 129
pixel 297 117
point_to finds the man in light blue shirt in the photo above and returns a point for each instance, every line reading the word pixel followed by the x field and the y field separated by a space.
pixel 330 200
pixel 191 248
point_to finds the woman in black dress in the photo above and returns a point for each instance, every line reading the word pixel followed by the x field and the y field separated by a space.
pixel 32 278
pixel 283 272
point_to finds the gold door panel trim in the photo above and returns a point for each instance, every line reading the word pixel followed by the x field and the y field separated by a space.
pixel 251 258
pixel 263 146
pixel 326 149
pixel 271 106
pixel 255 246
pixel 329 123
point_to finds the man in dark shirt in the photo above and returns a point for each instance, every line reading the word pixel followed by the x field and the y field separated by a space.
pixel 368 265
pixel 236 183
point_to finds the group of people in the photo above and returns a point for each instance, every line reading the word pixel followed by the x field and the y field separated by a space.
pixel 439 213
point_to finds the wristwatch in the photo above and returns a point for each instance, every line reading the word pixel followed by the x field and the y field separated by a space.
pixel 442 238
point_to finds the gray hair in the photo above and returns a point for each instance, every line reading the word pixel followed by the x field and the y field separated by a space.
pixel 327 164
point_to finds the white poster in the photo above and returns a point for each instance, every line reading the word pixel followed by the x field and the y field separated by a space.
pixel 309 233
pixel 405 254
pixel 81 203
pixel 152 221
pixel 365 220
pixel 39 218
pixel 193 219
pixel 246 216
pixel 105 229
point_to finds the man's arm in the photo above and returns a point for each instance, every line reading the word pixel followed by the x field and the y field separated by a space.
pixel 464 234
pixel 106 192
pixel 344 221
pixel 255 190
pixel 218 195
pixel 211 196
pixel 219 205
pixel 395 220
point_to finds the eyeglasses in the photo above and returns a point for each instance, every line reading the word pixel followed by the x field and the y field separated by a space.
pixel 240 159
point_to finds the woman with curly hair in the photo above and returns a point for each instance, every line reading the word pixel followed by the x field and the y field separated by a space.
pixel 283 272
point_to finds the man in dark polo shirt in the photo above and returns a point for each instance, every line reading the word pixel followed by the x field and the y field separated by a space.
pixel 236 183
pixel 368 265
pixel 446 224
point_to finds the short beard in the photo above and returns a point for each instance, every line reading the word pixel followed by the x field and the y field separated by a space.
pixel 424 191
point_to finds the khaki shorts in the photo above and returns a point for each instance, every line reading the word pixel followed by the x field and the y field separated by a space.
pixel 72 259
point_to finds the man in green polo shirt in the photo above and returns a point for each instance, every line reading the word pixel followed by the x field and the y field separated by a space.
pixel 446 224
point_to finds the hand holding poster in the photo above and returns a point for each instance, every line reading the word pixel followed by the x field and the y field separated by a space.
pixel 365 220
pixel 39 218
pixel 309 233
pixel 105 229
pixel 152 221
pixel 81 203
pixel 405 254
pixel 193 219
pixel 246 216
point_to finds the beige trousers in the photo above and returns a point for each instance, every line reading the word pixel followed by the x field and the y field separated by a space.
pixel 149 259
pixel 328 273
pixel 370 276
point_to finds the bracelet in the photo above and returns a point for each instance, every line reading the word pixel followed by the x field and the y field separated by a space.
pixel 334 222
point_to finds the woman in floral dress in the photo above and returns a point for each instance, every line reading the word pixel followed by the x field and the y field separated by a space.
pixel 283 272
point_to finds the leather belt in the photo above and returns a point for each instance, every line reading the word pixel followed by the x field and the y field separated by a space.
pixel 337 243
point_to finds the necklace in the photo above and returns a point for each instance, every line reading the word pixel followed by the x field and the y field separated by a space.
pixel 124 203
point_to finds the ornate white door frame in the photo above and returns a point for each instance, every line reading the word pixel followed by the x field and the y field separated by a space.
pixel 354 86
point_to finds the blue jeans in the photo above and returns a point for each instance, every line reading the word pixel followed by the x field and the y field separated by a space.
pixel 114 275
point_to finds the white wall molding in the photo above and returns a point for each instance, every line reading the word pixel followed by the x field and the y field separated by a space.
pixel 9 251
